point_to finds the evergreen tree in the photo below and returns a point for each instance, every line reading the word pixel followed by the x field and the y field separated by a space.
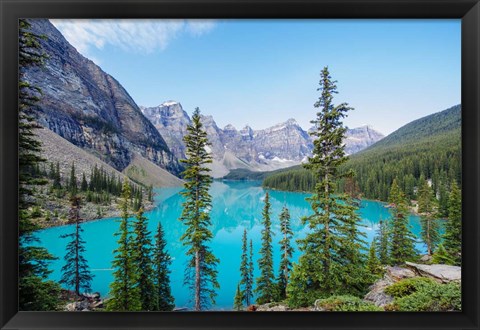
pixel 124 293
pixel 250 289
pixel 57 184
pixel 381 240
pixel 286 252
pixel 245 279
pixel 427 208
pixel 161 264
pixel 265 283
pixel 201 272
pixel 36 292
pixel 441 256
pixel 143 262
pixel 72 183
pixel 75 272
pixel 402 246
pixel 238 301
pixel 453 231
pixel 443 200
pixel 84 184
pixel 373 264
pixel 332 262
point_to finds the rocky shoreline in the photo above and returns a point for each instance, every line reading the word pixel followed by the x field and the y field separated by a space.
pixel 56 212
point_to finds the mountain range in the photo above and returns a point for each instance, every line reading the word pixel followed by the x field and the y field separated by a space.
pixel 282 145
pixel 92 110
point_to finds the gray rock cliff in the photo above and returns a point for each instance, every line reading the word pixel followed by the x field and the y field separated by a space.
pixel 91 109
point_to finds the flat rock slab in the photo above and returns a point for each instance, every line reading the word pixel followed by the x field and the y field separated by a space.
pixel 440 273
pixel 396 273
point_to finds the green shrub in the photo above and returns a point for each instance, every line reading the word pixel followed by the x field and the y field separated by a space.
pixel 408 286
pixel 346 304
pixel 433 298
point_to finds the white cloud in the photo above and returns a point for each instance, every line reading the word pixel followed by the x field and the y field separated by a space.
pixel 132 35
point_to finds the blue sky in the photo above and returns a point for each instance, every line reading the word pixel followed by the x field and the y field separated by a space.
pixel 262 72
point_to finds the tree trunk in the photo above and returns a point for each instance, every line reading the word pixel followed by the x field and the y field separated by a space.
pixel 197 281
pixel 429 243
pixel 77 271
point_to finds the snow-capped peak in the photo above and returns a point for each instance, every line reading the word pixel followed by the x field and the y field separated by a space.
pixel 168 103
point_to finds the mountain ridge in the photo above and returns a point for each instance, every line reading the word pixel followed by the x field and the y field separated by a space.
pixel 281 145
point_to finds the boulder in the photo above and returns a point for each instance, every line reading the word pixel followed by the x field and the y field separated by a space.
pixel 426 258
pixel 272 307
pixel 440 273
pixel 77 306
pixel 396 273
pixel 377 293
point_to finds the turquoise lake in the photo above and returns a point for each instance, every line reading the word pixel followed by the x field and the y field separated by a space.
pixel 236 205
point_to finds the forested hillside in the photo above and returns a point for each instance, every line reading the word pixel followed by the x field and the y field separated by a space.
pixel 429 147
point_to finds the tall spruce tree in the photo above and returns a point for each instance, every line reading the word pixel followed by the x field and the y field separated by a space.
pixel 286 251
pixel 266 289
pixel 57 179
pixel 161 272
pixel 373 264
pixel 246 284
pixel 72 182
pixel 428 209
pixel 453 229
pixel 84 184
pixel 251 266
pixel 238 300
pixel 402 247
pixel 332 262
pixel 36 292
pixel 142 260
pixel 76 273
pixel 124 290
pixel 201 271
pixel 382 245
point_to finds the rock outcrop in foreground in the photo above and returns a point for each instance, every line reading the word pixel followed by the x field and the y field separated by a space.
pixel 439 273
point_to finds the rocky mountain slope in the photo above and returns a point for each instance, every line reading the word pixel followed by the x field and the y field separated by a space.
pixel 283 145
pixel 90 108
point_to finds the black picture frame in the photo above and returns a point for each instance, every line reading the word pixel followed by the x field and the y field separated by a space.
pixel 12 10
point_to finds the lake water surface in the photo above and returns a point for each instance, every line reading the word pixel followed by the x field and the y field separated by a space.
pixel 236 205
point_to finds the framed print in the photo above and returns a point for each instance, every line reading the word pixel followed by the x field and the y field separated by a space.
pixel 230 164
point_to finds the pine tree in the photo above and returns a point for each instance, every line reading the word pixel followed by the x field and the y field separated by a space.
pixel 201 272
pixel 381 240
pixel 124 291
pixel 427 207
pixel 142 260
pixel 84 184
pixel 402 246
pixel 286 252
pixel 373 264
pixel 265 283
pixel 36 292
pixel 332 262
pixel 57 184
pixel 453 229
pixel 238 301
pixel 161 264
pixel 441 256
pixel 249 289
pixel 75 272
pixel 245 279
pixel 72 183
